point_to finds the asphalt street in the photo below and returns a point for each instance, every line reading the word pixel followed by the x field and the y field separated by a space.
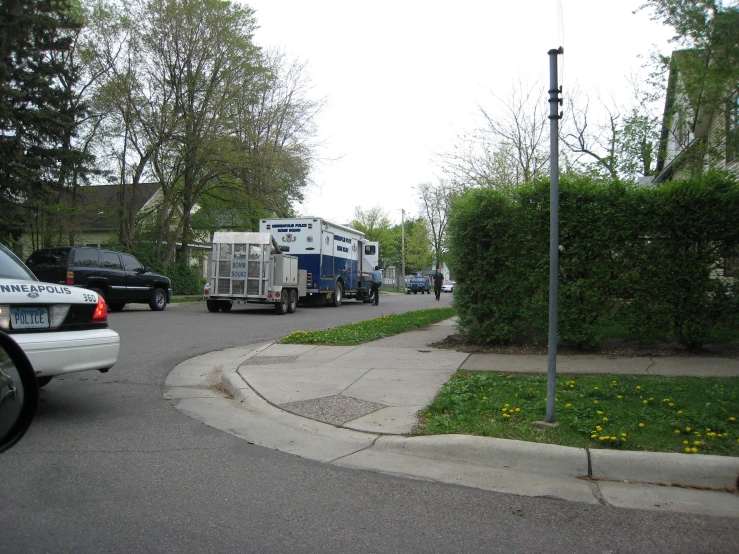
pixel 110 465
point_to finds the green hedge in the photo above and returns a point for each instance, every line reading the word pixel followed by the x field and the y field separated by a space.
pixel 648 258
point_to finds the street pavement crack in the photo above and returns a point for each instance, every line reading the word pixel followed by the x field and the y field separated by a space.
pixel 369 446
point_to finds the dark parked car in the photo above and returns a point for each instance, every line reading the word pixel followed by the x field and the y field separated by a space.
pixel 118 277
pixel 419 284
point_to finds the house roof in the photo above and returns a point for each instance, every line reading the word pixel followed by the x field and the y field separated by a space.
pixel 98 204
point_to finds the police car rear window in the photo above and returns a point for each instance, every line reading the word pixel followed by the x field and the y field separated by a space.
pixel 12 268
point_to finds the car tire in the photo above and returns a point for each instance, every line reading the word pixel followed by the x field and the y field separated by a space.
pixel 116 306
pixel 281 306
pixel 158 300
pixel 213 305
pixel 338 295
pixel 292 301
pixel 100 293
pixel 225 306
pixel 44 380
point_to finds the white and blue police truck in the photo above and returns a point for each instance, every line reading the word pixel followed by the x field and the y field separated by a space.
pixel 337 259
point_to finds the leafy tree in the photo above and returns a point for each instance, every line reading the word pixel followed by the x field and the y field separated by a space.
pixel 37 111
pixel 435 207
pixel 707 31
pixel 374 223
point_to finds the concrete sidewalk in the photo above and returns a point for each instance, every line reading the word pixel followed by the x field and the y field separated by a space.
pixel 354 406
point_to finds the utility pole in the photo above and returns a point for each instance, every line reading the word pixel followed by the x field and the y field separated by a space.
pixel 402 247
pixel 554 116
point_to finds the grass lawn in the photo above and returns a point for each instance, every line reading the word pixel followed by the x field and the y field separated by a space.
pixel 659 414
pixel 181 299
pixel 365 331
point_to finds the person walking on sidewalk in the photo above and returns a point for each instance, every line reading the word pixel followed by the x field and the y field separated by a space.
pixel 376 282
pixel 438 281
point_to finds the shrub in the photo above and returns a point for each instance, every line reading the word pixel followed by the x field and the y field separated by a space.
pixel 646 258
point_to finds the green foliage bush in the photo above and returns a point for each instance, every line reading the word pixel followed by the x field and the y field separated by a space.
pixel 650 259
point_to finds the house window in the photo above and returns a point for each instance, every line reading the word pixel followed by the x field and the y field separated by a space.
pixel 732 129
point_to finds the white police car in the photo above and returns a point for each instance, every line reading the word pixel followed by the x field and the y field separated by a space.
pixel 61 329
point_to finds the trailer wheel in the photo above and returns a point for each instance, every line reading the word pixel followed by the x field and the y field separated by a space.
pixel 338 295
pixel 292 301
pixel 213 305
pixel 281 306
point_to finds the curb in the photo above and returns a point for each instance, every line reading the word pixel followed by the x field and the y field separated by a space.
pixel 697 470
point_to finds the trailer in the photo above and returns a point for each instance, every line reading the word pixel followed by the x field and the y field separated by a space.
pixel 251 268
pixel 337 259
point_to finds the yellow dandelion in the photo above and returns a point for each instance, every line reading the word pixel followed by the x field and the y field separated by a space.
pixel 605 419
pixel 623 434
pixel 732 418
pixel 641 425
pixel 595 401
pixel 568 405
pixel 696 442
pixel 679 411
pixel 694 449
pixel 638 387
pixel 645 401
pixel 672 405
pixel 593 436
pixel 677 431
pixel 600 412
pixel 619 396
pixel 599 428
pixel 686 442
pixel 687 450
pixel 688 429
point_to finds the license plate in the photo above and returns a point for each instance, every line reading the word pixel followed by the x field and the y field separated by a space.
pixel 29 318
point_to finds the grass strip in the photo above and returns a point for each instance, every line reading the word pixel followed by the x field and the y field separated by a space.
pixel 183 299
pixel 647 413
pixel 373 329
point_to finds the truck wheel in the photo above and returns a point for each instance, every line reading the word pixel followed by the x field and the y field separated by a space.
pixel 226 306
pixel 292 301
pixel 158 300
pixel 213 305
pixel 338 295
pixel 100 293
pixel 281 306
pixel 415 292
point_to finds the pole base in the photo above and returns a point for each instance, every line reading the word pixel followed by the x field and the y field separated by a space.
pixel 546 425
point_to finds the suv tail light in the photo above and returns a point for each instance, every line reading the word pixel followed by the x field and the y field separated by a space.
pixel 101 311
pixel 70 277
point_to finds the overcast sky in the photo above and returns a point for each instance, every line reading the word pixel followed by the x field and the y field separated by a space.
pixel 403 78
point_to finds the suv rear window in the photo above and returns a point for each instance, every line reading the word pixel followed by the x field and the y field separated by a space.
pixel 84 257
pixel 49 257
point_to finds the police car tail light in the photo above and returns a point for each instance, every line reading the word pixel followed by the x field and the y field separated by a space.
pixel 101 311
pixel 4 317
pixel 57 314
pixel 70 278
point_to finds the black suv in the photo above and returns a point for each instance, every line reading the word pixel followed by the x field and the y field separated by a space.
pixel 118 277
pixel 419 284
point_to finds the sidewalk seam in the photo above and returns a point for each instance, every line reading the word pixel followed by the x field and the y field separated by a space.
pixel 358 450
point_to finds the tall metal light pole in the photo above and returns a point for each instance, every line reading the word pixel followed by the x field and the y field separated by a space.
pixel 402 246
pixel 554 116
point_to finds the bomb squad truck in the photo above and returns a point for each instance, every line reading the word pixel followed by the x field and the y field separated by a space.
pixel 289 261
